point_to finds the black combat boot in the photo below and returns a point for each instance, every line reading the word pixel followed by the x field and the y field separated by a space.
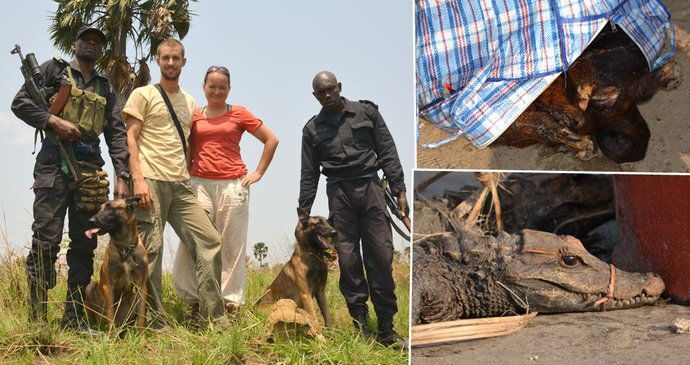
pixel 75 317
pixel 38 302
pixel 360 322
pixel 388 337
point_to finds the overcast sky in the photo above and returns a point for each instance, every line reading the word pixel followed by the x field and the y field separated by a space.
pixel 273 49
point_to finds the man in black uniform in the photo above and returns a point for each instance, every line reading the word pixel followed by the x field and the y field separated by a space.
pixel 53 196
pixel 350 142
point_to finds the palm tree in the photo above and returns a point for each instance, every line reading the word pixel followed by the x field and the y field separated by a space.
pixel 145 23
pixel 260 253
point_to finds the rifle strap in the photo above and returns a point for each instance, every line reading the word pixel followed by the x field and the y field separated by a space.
pixel 173 115
pixel 71 76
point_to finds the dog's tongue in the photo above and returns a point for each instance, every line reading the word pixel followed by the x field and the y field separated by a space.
pixel 91 232
pixel 325 242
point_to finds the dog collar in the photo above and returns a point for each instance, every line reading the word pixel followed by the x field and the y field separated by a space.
pixel 126 252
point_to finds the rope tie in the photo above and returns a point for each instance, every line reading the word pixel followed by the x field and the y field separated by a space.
pixel 609 294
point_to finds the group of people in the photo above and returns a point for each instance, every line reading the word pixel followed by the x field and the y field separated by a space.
pixel 185 165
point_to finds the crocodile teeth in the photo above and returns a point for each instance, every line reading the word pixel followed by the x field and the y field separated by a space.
pixel 621 303
pixel 626 303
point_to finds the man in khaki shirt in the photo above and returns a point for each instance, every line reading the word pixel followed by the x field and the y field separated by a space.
pixel 160 177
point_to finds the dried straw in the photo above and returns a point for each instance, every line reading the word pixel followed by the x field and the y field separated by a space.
pixel 468 329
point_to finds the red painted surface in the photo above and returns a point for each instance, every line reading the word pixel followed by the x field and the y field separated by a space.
pixel 653 214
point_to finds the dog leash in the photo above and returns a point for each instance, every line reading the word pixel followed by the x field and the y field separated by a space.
pixel 402 233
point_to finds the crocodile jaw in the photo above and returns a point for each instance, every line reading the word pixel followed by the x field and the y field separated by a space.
pixel 548 297
pixel 539 276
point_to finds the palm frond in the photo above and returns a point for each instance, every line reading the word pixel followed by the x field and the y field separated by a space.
pixel 145 22
pixel 120 73
pixel 143 74
pixel 181 17
pixel 69 17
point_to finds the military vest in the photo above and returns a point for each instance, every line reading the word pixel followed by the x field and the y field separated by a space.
pixel 84 108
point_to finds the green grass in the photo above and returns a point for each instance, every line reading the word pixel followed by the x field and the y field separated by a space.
pixel 244 343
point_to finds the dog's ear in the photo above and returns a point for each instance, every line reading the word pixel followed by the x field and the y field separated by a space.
pixel 132 202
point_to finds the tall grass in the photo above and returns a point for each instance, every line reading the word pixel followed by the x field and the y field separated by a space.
pixel 246 342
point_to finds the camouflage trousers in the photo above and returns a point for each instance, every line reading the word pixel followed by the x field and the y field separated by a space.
pixel 53 200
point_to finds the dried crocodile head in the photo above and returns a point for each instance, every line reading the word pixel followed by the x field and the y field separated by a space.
pixel 467 274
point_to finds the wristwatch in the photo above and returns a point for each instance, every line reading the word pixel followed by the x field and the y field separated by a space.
pixel 125 175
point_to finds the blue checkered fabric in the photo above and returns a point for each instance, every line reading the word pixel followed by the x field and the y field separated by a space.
pixel 481 63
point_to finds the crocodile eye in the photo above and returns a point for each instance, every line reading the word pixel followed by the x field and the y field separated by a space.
pixel 570 261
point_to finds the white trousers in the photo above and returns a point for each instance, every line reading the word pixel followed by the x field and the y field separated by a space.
pixel 227 204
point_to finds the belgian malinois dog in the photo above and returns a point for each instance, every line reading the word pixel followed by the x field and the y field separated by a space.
pixel 119 296
pixel 305 275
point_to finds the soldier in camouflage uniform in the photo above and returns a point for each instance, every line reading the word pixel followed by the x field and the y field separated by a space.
pixel 90 110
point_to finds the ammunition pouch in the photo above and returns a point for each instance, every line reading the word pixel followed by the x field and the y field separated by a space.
pixel 91 189
pixel 84 108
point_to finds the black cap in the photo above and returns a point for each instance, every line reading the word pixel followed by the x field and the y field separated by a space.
pixel 90 29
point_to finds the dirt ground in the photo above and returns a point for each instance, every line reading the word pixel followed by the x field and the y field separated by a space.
pixel 666 114
pixel 633 336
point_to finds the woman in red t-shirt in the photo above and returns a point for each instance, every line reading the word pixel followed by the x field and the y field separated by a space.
pixel 221 183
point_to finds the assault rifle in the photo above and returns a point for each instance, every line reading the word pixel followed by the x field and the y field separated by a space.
pixel 395 209
pixel 34 84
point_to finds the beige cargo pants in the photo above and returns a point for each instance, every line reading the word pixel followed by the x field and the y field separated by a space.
pixel 227 204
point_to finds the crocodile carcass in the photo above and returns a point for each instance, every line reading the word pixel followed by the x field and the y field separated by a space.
pixel 596 102
pixel 460 272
